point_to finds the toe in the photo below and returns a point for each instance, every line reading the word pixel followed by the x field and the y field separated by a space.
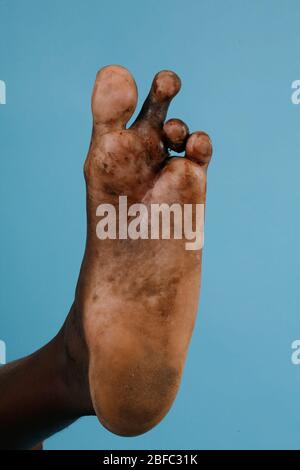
pixel 166 84
pixel 176 133
pixel 199 148
pixel 114 98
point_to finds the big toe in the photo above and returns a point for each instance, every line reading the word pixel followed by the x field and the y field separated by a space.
pixel 114 98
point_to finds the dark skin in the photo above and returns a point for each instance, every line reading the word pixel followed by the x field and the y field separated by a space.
pixel 121 351
pixel 39 396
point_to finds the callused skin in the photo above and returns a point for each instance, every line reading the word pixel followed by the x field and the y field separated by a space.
pixel 136 300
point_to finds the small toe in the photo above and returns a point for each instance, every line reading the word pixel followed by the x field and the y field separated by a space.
pixel 114 98
pixel 199 148
pixel 176 133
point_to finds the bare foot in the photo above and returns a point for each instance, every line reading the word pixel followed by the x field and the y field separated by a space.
pixel 136 300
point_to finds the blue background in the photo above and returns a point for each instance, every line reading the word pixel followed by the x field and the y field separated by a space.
pixel 237 60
